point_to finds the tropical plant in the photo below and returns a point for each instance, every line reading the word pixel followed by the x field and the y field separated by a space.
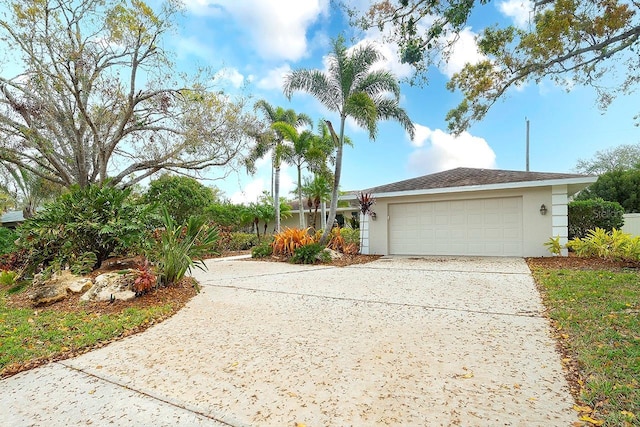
pixel 145 279
pixel 272 141
pixel 553 245
pixel 310 254
pixel 366 201
pixel 183 196
pixel 262 250
pixel 306 149
pixel 180 248
pixel 102 220
pixel 8 277
pixel 353 89
pixel 83 264
pixel 317 191
pixel 614 244
pixel 7 240
pixel 288 240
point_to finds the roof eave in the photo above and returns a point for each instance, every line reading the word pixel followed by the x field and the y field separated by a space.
pixel 573 186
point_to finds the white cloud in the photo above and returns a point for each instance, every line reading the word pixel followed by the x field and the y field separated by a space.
pixel 186 46
pixel 277 28
pixel 274 78
pixel 391 61
pixel 251 192
pixel 438 151
pixel 518 10
pixel 261 182
pixel 463 51
pixel 230 75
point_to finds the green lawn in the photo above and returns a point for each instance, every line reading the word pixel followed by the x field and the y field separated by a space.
pixel 597 314
pixel 29 337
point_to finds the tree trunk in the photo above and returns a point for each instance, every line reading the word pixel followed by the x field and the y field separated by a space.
pixel 300 208
pixel 336 180
pixel 276 198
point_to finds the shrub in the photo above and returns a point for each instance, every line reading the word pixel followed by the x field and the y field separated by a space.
pixel 338 241
pixel 228 215
pixel 350 235
pixel 553 245
pixel 290 239
pixel 236 241
pixel 7 240
pixel 180 248
pixel 585 215
pixel 8 277
pixel 611 245
pixel 242 241
pixel 308 254
pixel 98 219
pixel 182 196
pixel 145 278
pixel 264 249
pixel 84 263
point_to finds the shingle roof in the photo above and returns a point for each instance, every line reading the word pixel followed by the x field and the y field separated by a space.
pixel 12 217
pixel 464 177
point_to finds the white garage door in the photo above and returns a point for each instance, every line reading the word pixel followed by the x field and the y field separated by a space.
pixel 491 227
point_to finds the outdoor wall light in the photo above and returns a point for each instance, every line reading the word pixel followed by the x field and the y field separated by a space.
pixel 543 209
pixel 373 216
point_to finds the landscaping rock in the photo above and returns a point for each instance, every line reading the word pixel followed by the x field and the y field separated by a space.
pixel 333 254
pixel 57 287
pixel 111 286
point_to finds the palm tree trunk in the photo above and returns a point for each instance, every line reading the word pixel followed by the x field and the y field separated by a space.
pixel 300 208
pixel 276 197
pixel 336 180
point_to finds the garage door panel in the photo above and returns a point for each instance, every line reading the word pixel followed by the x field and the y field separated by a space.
pixel 460 227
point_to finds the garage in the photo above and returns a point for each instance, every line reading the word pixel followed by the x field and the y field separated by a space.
pixel 469 212
pixel 491 227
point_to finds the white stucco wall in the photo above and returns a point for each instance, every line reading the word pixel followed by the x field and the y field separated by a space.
pixel 537 228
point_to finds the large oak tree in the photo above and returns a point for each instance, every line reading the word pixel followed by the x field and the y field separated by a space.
pixel 88 93
pixel 585 42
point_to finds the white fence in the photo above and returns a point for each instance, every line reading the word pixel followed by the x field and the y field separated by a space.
pixel 632 224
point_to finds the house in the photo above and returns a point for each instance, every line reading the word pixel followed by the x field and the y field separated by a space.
pixel 12 219
pixel 468 211
pixel 346 211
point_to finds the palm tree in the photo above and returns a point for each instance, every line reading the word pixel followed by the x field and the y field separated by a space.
pixel 272 140
pixel 317 191
pixel 306 148
pixel 352 89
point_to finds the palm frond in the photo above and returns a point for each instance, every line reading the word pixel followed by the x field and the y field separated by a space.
pixel 314 82
pixel 389 109
pixel 377 82
pixel 364 111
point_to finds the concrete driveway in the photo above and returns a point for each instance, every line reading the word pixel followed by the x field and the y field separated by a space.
pixel 411 342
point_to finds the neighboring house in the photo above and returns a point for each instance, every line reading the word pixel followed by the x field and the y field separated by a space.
pixel 342 215
pixel 12 219
pixel 467 211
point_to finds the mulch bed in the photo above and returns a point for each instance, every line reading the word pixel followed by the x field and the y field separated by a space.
pixel 573 262
pixel 346 260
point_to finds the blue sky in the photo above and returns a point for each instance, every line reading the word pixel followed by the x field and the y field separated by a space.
pixel 253 43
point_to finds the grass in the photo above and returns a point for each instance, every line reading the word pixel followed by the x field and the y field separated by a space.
pixel 597 315
pixel 29 337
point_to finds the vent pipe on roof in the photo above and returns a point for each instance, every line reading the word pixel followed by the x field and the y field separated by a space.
pixel 527 120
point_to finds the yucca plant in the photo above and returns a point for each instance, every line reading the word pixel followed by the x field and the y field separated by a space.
pixel 180 248
pixel 290 239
